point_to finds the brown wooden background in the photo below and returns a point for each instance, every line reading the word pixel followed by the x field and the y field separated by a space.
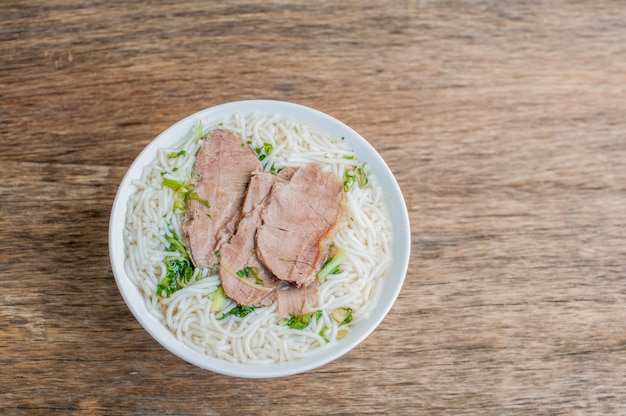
pixel 505 123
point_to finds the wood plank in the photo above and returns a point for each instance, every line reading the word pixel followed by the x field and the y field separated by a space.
pixel 504 122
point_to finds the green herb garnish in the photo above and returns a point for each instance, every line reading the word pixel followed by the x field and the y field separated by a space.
pixel 322 332
pixel 240 311
pixel 218 299
pixel 250 272
pixel 263 152
pixel 179 268
pixel 332 266
pixel 183 193
pixel 301 321
pixel 174 155
pixel 354 174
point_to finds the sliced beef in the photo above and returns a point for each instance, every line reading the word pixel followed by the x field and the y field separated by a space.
pixel 223 168
pixel 296 300
pixel 259 290
pixel 240 251
pixel 297 217
pixel 287 173
pixel 259 188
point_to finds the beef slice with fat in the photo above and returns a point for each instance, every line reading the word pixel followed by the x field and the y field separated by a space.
pixel 240 251
pixel 296 219
pixel 223 169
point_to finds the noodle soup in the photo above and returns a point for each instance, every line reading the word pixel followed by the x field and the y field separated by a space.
pixel 262 336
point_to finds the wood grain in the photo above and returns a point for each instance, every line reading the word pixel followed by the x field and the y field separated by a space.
pixel 504 122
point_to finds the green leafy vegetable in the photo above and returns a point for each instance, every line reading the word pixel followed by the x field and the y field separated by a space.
pixel 332 266
pixel 250 272
pixel 263 152
pixel 179 269
pixel 174 155
pixel 322 332
pixel 183 193
pixel 354 174
pixel 176 245
pixel 241 274
pixel 301 321
pixel 218 299
pixel 240 310
pixel 173 184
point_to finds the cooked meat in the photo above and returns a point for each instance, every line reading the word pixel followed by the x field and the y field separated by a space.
pixel 223 168
pixel 239 253
pixel 287 173
pixel 261 184
pixel 258 290
pixel 272 226
pixel 297 217
pixel 296 300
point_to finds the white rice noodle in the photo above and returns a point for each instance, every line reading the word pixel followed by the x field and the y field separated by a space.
pixel 260 337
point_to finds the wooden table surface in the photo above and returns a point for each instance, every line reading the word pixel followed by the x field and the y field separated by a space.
pixel 505 123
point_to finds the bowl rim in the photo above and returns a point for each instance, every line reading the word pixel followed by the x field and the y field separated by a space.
pixel 363 150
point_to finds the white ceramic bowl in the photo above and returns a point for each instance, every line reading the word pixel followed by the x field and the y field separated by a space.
pixel 323 122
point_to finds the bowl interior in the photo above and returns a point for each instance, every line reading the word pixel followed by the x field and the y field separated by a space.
pixel 321 121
